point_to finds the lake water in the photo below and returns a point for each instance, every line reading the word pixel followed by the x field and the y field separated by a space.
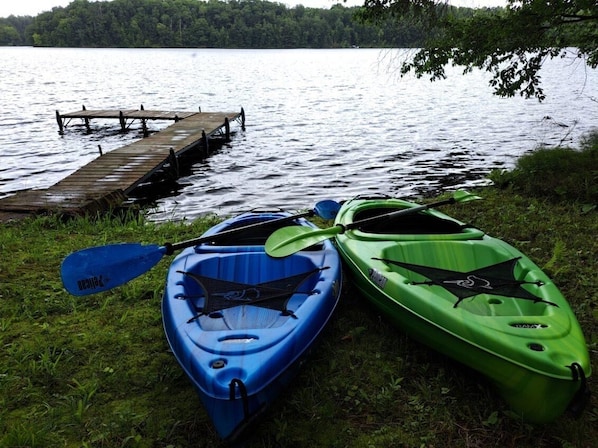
pixel 320 124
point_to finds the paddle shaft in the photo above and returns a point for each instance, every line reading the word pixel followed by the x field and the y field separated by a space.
pixel 172 247
pixel 288 240
pixel 101 268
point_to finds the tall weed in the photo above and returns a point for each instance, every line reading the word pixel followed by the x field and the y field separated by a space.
pixel 556 174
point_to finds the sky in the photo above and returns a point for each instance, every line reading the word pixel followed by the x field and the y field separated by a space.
pixel 34 7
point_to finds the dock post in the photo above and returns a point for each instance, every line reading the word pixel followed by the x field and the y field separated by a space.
pixel 60 123
pixel 242 119
pixel 86 120
pixel 174 164
pixel 204 139
pixel 123 122
pixel 227 129
pixel 143 123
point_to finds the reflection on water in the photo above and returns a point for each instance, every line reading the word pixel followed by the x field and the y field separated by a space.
pixel 319 123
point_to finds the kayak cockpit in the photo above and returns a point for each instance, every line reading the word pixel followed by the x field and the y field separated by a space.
pixel 425 225
pixel 416 223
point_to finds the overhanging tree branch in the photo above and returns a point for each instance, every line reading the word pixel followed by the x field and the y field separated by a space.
pixel 511 43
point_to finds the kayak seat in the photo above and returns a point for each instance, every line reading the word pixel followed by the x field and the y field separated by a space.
pixel 251 237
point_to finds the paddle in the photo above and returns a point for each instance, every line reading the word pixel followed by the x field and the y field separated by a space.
pixel 101 268
pixel 288 240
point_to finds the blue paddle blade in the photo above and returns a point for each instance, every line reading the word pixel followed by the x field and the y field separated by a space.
pixel 327 209
pixel 101 268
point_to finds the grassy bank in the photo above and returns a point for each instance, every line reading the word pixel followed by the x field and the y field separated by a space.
pixel 96 371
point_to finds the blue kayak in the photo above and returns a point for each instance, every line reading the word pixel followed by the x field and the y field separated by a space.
pixel 239 321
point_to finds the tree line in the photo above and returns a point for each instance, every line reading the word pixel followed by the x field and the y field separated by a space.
pixel 212 23
pixel 511 43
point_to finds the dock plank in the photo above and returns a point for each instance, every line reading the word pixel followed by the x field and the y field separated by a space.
pixel 90 114
pixel 129 114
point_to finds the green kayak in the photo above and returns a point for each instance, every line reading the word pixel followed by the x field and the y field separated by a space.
pixel 472 297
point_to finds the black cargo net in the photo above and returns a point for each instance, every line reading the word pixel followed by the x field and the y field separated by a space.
pixel 275 294
pixel 497 279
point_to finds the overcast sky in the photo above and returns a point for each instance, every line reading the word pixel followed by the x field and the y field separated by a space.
pixel 34 7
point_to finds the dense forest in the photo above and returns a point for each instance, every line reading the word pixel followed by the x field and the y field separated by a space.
pixel 212 23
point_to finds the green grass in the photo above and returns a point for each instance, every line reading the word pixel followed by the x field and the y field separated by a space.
pixel 96 371
pixel 556 174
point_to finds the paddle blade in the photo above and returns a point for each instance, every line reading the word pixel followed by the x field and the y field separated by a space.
pixel 327 209
pixel 101 268
pixel 288 240
pixel 465 196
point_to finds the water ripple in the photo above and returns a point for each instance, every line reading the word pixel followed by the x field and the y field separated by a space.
pixel 320 123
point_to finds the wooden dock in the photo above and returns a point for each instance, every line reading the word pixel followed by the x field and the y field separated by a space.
pixel 106 181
